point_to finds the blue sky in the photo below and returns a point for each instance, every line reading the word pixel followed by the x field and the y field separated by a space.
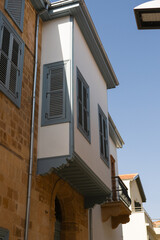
pixel 134 104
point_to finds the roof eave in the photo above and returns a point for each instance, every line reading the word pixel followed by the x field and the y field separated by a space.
pixel 138 181
pixel 114 133
pixel 38 5
pixel 79 11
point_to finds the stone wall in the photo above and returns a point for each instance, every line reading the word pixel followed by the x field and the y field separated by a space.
pixel 15 125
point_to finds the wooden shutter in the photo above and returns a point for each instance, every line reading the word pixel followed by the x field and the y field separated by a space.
pixel 15 8
pixel 83 105
pixel 56 93
pixel 4 54
pixel 14 67
pixel 103 134
pixel 79 101
pixel 11 61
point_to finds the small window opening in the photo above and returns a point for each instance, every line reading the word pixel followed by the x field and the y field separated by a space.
pixel 58 222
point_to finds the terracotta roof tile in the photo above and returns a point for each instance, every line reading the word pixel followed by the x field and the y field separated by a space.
pixel 128 176
pixel 156 224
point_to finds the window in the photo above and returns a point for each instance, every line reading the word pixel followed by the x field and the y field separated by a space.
pixel 4 234
pixel 55 103
pixel 103 135
pixel 137 206
pixel 11 61
pixel 15 9
pixel 58 222
pixel 83 106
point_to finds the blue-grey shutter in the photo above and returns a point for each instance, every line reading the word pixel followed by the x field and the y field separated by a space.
pixel 14 71
pixel 56 93
pixel 83 115
pixel 15 8
pixel 80 107
pixel 11 61
pixel 106 141
pixel 103 136
pixel 4 55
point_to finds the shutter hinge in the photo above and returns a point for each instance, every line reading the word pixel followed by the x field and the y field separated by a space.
pixel 46 115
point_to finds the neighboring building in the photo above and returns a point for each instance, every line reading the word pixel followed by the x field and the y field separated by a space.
pixel 74 162
pixel 140 226
pixel 156 225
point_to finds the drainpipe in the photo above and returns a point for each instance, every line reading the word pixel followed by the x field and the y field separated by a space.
pixel 32 127
pixel 90 224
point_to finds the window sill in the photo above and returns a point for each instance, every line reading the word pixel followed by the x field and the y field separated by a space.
pixel 88 138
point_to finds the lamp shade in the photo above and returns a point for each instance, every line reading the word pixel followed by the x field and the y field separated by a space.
pixel 148 15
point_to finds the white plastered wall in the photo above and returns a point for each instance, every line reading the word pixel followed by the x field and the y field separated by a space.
pixel 135 194
pixel 85 62
pixel 53 140
pixel 103 230
pixel 136 228
pixel 113 152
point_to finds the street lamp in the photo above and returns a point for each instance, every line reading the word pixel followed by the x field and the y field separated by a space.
pixel 148 15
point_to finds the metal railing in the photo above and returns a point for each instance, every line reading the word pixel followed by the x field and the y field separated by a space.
pixel 120 191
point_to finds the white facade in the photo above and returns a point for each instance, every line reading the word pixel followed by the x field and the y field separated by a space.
pixel 85 62
pixel 57 46
pixel 103 230
pixel 63 41
pixel 140 226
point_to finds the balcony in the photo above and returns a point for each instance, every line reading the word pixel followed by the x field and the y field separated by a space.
pixel 117 206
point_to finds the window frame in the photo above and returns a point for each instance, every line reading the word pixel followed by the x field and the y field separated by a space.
pixel 21 17
pixel 106 159
pixel 79 126
pixel 16 99
pixel 45 105
pixel 4 233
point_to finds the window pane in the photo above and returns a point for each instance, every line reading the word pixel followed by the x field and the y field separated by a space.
pixel 5 41
pixel 79 90
pixel 15 50
pixel 104 128
pixel 101 143
pixel 85 121
pixel 84 97
pixel 3 68
pixel 13 78
pixel 100 123
pixel 80 113
pixel 106 149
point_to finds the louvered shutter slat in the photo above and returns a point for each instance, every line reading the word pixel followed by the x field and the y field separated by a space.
pixel 56 93
pixel 3 68
pixel 15 51
pixel 13 80
pixel 15 9
pixel 14 69
pixel 4 55
pixel 5 41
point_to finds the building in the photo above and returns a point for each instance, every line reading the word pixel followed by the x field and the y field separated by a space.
pixel 58 143
pixel 156 225
pixel 140 226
